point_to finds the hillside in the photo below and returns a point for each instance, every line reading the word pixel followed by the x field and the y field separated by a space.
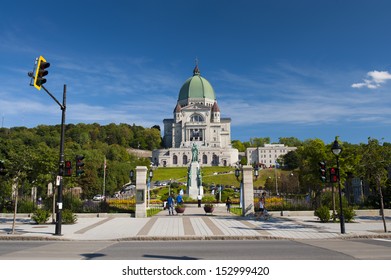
pixel 213 175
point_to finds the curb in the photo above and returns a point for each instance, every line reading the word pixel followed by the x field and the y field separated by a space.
pixel 188 238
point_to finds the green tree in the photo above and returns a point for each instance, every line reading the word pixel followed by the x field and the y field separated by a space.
pixel 291 160
pixel 375 162
pixel 259 142
pixel 237 144
pixel 310 154
pixel 290 141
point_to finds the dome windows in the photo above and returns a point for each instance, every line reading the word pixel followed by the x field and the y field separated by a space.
pixel 196 118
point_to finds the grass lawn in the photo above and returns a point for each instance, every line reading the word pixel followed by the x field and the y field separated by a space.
pixel 211 175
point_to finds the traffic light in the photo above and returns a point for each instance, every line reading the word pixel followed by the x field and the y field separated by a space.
pixel 334 175
pixel 68 168
pixel 3 172
pixel 79 165
pixel 41 72
pixel 322 171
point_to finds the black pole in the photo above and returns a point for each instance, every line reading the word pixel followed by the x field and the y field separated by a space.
pixel 341 215
pixel 61 166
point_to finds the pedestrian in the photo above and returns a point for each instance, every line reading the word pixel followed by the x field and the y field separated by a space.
pixel 170 205
pixel 179 199
pixel 228 204
pixel 199 198
pixel 262 201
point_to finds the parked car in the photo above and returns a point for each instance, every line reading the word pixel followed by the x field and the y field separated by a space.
pixel 98 197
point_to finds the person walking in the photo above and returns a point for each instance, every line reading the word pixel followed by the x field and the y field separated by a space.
pixel 179 199
pixel 228 204
pixel 262 209
pixel 170 205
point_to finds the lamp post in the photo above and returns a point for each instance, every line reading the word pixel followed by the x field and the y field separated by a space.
pixel 131 175
pixel 150 175
pixel 237 174
pixel 336 149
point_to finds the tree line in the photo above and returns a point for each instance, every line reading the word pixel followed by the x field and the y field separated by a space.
pixel 31 155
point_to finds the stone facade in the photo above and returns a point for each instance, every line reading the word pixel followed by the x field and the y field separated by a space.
pixel 267 155
pixel 197 119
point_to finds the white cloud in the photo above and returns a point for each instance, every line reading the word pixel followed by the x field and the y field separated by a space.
pixel 377 78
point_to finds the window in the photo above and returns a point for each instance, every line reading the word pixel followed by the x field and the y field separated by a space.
pixel 215 160
pixel 196 134
pixel 196 118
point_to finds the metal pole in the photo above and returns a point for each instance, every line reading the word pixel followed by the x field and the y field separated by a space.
pixel 61 165
pixel 341 216
pixel 275 178
pixel 104 177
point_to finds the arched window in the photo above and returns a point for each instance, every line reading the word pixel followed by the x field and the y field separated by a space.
pixel 215 160
pixel 196 118
pixel 184 159
pixel 175 159
pixel 204 159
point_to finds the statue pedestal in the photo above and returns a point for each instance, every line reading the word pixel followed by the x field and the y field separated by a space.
pixel 193 190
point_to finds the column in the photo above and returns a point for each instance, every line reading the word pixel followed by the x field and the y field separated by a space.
pixel 248 190
pixel 141 187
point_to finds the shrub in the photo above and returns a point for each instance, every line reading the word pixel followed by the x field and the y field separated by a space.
pixel 323 213
pixel 41 216
pixel 25 206
pixel 68 217
pixel 348 213
pixel 90 207
pixel 208 198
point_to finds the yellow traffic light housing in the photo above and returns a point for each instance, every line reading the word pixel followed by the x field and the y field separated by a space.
pixel 40 72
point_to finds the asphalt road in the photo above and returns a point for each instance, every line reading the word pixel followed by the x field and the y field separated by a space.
pixel 331 249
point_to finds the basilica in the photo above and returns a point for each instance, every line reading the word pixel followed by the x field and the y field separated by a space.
pixel 196 120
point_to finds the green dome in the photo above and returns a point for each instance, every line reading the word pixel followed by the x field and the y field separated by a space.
pixel 196 87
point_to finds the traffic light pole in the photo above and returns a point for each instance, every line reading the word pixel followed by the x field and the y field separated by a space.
pixel 61 161
pixel 39 80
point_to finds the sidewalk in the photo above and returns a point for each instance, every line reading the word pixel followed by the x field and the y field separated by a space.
pixel 194 225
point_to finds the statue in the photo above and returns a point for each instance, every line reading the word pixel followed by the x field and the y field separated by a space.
pixel 194 152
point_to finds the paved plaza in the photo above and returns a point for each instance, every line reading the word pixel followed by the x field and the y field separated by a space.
pixel 195 224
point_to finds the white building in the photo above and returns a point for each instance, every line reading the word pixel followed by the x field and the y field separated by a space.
pixel 267 155
pixel 197 119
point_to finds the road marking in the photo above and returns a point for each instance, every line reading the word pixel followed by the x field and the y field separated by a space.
pixel 381 239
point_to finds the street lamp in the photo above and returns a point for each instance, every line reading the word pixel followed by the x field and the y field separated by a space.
pixel 150 175
pixel 336 149
pixel 131 175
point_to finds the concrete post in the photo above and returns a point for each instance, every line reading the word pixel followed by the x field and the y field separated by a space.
pixel 248 190
pixel 141 187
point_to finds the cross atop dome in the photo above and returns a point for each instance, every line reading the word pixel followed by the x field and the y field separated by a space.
pixel 196 71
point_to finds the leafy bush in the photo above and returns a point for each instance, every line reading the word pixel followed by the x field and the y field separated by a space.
pixel 90 207
pixel 68 217
pixel 25 206
pixel 41 216
pixel 323 213
pixel 348 213
pixel 208 198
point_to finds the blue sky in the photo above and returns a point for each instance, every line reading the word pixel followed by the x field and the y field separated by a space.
pixel 283 68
